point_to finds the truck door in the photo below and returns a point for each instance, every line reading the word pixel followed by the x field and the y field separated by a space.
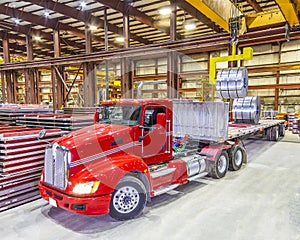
pixel 153 139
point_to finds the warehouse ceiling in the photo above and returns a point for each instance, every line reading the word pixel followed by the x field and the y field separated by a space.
pixel 149 21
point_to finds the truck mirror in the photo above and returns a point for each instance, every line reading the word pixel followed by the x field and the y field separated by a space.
pixel 161 119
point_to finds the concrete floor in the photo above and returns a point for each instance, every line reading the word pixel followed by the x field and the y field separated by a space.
pixel 260 202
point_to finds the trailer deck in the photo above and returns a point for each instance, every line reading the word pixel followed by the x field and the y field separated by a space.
pixel 237 130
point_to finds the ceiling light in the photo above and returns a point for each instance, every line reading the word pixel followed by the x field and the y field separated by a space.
pixel 190 25
pixel 165 11
pixel 37 38
pixel 46 13
pixel 17 21
pixel 93 27
pixel 120 39
pixel 83 4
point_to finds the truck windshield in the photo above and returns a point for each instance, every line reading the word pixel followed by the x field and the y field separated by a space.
pixel 128 115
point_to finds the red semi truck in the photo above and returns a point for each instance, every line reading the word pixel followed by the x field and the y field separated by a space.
pixel 141 149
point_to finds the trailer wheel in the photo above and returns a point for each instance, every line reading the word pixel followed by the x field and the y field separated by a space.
pixel 237 157
pixel 128 199
pixel 219 167
pixel 273 133
pixel 281 130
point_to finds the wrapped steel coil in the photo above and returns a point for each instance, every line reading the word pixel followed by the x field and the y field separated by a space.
pixel 246 110
pixel 232 83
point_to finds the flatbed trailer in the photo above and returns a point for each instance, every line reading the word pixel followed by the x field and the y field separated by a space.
pixel 265 127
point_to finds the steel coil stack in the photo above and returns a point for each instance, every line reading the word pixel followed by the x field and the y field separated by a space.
pixel 246 110
pixel 232 83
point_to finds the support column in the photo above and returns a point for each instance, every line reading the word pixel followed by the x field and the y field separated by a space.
pixel 106 49
pixel 172 61
pixel 57 85
pixel 126 78
pixel 173 20
pixel 88 39
pixel 276 99
pixel 30 82
pixel 89 74
pixel 89 84
pixel 9 85
pixel 126 73
pixel 3 87
pixel 172 74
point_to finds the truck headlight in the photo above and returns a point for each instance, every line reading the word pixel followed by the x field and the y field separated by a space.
pixel 86 188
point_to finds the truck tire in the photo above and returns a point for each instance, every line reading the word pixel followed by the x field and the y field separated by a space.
pixel 281 130
pixel 237 157
pixel 218 168
pixel 273 133
pixel 128 199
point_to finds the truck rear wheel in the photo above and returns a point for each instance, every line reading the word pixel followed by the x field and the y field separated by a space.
pixel 273 133
pixel 281 130
pixel 128 199
pixel 219 167
pixel 237 157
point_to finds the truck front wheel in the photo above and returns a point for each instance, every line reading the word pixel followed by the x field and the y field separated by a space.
pixel 128 199
pixel 219 167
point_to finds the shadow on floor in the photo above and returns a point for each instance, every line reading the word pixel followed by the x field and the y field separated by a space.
pixel 97 224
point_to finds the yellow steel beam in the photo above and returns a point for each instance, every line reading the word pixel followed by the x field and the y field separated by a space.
pixel 214 10
pixel 290 10
pixel 246 55
pixel 264 18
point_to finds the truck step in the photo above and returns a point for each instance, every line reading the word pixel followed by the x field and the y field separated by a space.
pixel 200 175
pixel 161 173
pixel 165 189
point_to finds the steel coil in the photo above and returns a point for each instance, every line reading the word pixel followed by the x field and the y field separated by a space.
pixel 246 110
pixel 232 83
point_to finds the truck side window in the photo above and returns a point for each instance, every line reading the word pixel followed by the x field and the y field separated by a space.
pixel 150 116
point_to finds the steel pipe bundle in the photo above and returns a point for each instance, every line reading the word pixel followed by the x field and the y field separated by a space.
pixel 246 110
pixel 232 83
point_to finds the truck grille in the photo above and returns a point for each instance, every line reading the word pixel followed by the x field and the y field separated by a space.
pixel 56 166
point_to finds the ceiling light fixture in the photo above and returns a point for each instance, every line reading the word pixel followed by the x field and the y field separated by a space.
pixel 93 27
pixel 120 39
pixel 17 21
pixel 46 13
pixel 190 25
pixel 83 4
pixel 165 11
pixel 37 38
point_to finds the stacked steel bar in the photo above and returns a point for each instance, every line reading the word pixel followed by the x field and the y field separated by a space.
pixel 65 122
pixel 81 110
pixel 291 120
pixel 10 112
pixel 296 126
pixel 21 163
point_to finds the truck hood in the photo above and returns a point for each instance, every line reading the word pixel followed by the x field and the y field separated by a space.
pixel 95 139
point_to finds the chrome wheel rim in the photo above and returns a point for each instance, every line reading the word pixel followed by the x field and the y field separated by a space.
pixel 238 158
pixel 222 164
pixel 126 199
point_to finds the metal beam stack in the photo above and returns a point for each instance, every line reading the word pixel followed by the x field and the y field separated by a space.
pixel 65 122
pixel 10 112
pixel 21 163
